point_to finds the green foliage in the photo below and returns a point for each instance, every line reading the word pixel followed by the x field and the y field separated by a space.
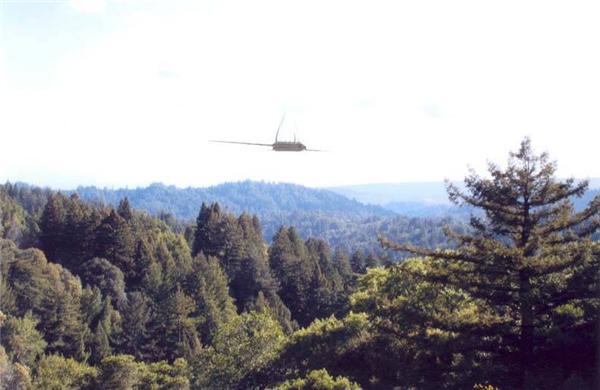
pixel 107 277
pixel 418 324
pixel 137 316
pixel 22 340
pixel 124 209
pixel 15 223
pixel 114 241
pixel 119 372
pixel 124 373
pixel 238 245
pixel 208 286
pixel 319 380
pixel 162 375
pixel 339 221
pixel 51 293
pixel 240 347
pixel 531 268
pixel 311 285
pixel 67 230
pixel 339 345
pixel 178 331
pixel 515 296
pixel 21 378
pixel 107 330
pixel 55 372
pixel 5 366
pixel 252 197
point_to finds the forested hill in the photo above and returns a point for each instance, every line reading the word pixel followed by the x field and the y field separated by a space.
pixel 98 297
pixel 253 197
pixel 341 222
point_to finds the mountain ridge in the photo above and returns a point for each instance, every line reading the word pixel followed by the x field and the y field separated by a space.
pixel 245 196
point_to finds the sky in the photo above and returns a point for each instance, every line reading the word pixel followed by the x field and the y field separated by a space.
pixel 127 93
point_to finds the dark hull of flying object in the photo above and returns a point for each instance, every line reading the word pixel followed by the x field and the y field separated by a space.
pixel 289 147
pixel 278 146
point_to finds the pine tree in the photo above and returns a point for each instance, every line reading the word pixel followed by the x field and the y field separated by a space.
pixel 141 261
pixel 297 271
pixel 78 233
pixel 115 242
pixel 24 343
pixel 358 262
pixel 107 277
pixel 286 266
pixel 341 261
pixel 178 337
pixel 205 235
pixel 218 234
pixel 208 286
pixel 124 209
pixel 107 331
pixel 136 320
pixel 52 236
pixel 528 259
pixel 372 261
pixel 57 372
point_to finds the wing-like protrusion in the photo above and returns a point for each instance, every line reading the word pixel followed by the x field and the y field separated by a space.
pixel 279 127
pixel 242 143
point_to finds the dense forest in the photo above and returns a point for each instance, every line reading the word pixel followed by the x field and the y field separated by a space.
pixel 103 295
pixel 254 197
pixel 341 222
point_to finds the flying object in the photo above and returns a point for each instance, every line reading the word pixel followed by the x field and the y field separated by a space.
pixel 278 146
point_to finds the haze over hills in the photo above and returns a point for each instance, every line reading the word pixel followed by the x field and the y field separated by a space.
pixel 313 212
pixel 385 193
pixel 423 199
pixel 410 214
pixel 409 192
pixel 249 196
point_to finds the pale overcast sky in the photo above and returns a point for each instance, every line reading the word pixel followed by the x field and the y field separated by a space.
pixel 125 93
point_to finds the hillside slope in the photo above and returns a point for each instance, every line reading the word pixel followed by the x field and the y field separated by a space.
pixel 249 196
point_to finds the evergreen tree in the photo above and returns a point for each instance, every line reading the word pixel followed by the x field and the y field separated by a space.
pixel 124 209
pixel 274 306
pixel 319 379
pixel 178 336
pixel 52 236
pixel 246 344
pixel 21 378
pixel 141 261
pixel 205 238
pixel 52 294
pixel 76 245
pixel 119 372
pixel 107 277
pixel 289 261
pixel 114 242
pixel 358 262
pixel 372 261
pixel 23 342
pixel 107 331
pixel 311 286
pixel 59 373
pixel 208 286
pixel 341 261
pixel 136 320
pixel 67 230
pixel 218 234
pixel 530 261
pixel 327 293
